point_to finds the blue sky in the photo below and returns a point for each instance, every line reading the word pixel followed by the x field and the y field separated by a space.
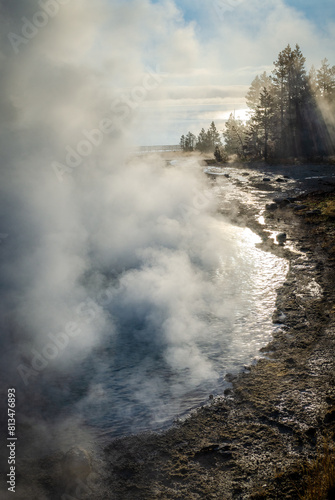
pixel 317 12
pixel 209 53
pixel 231 42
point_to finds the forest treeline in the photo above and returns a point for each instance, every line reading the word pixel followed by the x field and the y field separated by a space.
pixel 291 114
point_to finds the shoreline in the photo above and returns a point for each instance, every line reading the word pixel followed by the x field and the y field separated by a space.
pixel 255 440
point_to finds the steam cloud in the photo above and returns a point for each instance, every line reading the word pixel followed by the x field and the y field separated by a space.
pixel 102 249
pixel 111 261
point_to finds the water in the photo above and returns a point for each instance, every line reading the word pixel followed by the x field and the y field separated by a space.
pixel 139 382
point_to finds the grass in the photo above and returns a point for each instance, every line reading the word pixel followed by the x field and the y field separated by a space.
pixel 325 202
pixel 320 475
pixel 324 223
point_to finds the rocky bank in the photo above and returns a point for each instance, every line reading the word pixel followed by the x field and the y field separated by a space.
pixel 262 438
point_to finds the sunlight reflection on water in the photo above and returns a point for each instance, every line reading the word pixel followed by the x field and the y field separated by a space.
pixel 140 391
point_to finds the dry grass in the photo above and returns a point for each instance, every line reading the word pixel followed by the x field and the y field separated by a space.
pixel 320 475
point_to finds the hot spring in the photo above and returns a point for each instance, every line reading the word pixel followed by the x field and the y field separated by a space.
pixel 173 297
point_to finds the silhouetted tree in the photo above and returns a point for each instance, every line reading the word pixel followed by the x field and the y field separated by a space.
pixel 213 137
pixel 188 143
pixel 325 79
pixel 286 119
pixel 235 135
pixel 256 87
pixel 263 121
pixel 203 141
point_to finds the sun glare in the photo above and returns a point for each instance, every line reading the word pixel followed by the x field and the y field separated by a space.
pixel 241 114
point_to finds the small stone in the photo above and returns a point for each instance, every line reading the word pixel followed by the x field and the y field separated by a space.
pixel 313 212
pixel 229 377
pixel 271 206
pixel 299 207
pixel 266 179
pixel 281 238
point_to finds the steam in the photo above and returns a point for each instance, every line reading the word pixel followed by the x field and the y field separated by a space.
pixel 111 260
pixel 100 247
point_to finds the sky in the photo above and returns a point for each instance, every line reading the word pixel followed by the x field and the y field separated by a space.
pixel 207 53
pixel 228 43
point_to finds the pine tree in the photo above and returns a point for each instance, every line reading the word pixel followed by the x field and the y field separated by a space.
pixel 253 102
pixel 264 119
pixel 213 136
pixel 312 80
pixel 281 88
pixel 293 114
pixel 299 95
pixel 256 87
pixel 202 142
pixel 292 94
pixel 190 142
pixel 182 142
pixel 325 79
pixel 235 136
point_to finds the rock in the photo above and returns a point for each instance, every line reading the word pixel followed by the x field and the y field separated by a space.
pixel 76 464
pixel 313 212
pixel 280 179
pixel 330 416
pixel 271 206
pixel 266 179
pixel 223 449
pixel 281 238
pixel 283 202
pixel 299 207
